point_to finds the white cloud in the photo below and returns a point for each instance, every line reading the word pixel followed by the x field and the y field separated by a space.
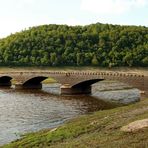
pixel 112 6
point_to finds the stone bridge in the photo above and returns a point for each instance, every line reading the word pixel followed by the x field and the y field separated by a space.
pixel 72 82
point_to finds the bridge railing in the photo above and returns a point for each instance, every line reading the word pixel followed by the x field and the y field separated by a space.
pixel 117 74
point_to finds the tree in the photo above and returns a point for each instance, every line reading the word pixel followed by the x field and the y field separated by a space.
pixel 94 61
pixel 53 59
pixel 57 45
pixel 80 59
pixel 128 59
pixel 145 61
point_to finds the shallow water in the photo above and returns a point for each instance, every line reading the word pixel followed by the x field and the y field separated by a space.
pixel 23 111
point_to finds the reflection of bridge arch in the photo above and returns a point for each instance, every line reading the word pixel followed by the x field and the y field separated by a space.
pixel 5 80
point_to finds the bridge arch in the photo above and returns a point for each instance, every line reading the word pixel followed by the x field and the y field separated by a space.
pixel 5 81
pixel 82 87
pixel 86 83
pixel 34 82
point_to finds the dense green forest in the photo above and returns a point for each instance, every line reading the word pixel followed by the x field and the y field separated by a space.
pixel 61 45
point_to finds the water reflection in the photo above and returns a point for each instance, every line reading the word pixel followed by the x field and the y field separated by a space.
pixel 24 111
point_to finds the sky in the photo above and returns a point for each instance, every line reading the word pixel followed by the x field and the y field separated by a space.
pixel 17 15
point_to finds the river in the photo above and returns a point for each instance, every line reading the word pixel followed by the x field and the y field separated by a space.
pixel 23 111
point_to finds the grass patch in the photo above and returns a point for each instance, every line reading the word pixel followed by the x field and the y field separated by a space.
pixel 49 80
pixel 100 129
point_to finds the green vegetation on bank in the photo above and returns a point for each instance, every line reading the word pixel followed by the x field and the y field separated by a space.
pixel 100 129
pixel 61 45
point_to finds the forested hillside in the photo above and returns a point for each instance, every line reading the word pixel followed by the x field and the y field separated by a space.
pixel 61 45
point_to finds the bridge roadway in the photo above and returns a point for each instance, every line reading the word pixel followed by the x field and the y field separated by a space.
pixel 73 82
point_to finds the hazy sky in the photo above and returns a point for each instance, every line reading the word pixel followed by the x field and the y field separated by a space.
pixel 16 15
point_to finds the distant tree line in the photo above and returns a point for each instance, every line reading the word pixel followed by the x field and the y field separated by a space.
pixel 61 45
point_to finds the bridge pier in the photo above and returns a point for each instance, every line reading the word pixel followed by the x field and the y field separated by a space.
pixel 68 90
pixel 31 86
